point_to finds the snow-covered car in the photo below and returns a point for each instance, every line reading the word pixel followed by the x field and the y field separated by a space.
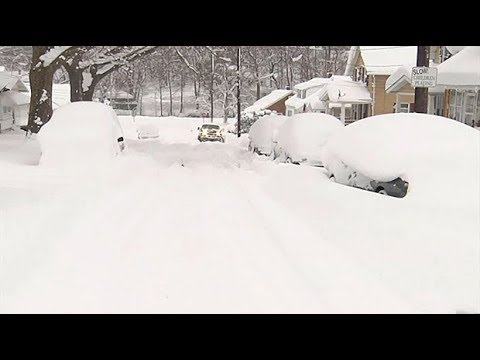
pixel 373 153
pixel 147 131
pixel 210 132
pixel 347 176
pixel 81 132
pixel 302 136
pixel 263 134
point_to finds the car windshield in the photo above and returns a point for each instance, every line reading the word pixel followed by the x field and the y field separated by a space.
pixel 209 126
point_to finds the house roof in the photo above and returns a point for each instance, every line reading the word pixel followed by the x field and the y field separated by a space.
pixel 346 92
pixel 10 82
pixel 312 87
pixel 18 98
pixel 381 60
pixel 268 100
pixel 315 82
pixel 121 95
pixel 295 102
pixel 461 70
pixel 403 76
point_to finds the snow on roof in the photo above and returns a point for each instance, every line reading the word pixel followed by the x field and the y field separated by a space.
pixel 342 91
pixel 403 76
pixel 462 69
pixel 295 102
pixel 311 83
pixel 333 105
pixel 385 60
pixel 455 49
pixel 314 101
pixel 10 82
pixel 268 100
pixel 121 95
pixel 18 98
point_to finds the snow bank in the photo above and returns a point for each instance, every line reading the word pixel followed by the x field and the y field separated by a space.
pixel 303 136
pixel 147 130
pixel 263 132
pixel 81 133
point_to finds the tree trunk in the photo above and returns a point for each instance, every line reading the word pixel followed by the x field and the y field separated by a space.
pixel 258 86
pixel 181 93
pixel 41 82
pixel 170 111
pixel 155 103
pixel 225 108
pixel 88 95
pixel 75 79
pixel 161 98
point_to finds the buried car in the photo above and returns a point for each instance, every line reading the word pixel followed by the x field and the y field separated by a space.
pixel 263 134
pixel 347 176
pixel 302 136
pixel 210 132
pixel 393 154
pixel 83 132
pixel 147 131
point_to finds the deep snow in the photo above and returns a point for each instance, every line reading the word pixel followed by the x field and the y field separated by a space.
pixel 228 231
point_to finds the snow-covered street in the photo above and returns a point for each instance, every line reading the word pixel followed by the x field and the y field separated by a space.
pixel 178 226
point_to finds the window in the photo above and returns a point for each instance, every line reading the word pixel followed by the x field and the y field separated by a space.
pixel 453 105
pixel 289 112
pixel 404 108
pixel 438 104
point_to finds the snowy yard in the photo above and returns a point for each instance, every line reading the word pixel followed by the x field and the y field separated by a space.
pixel 178 226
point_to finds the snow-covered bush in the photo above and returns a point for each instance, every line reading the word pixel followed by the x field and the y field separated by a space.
pixel 302 137
pixel 247 119
pixel 83 132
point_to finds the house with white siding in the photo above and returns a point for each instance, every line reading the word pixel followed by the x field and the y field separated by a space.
pixel 14 101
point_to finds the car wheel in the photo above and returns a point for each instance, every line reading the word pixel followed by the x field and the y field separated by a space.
pixel 288 160
pixel 381 191
pixel 332 177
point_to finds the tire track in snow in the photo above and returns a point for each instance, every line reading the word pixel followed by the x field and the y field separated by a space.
pixel 335 277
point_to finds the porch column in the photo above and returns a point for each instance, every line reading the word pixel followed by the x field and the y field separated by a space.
pixel 397 103
pixel 342 113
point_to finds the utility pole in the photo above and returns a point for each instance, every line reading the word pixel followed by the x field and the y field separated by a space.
pixel 421 94
pixel 211 88
pixel 238 92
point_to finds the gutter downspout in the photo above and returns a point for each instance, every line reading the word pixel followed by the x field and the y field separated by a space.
pixel 373 98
